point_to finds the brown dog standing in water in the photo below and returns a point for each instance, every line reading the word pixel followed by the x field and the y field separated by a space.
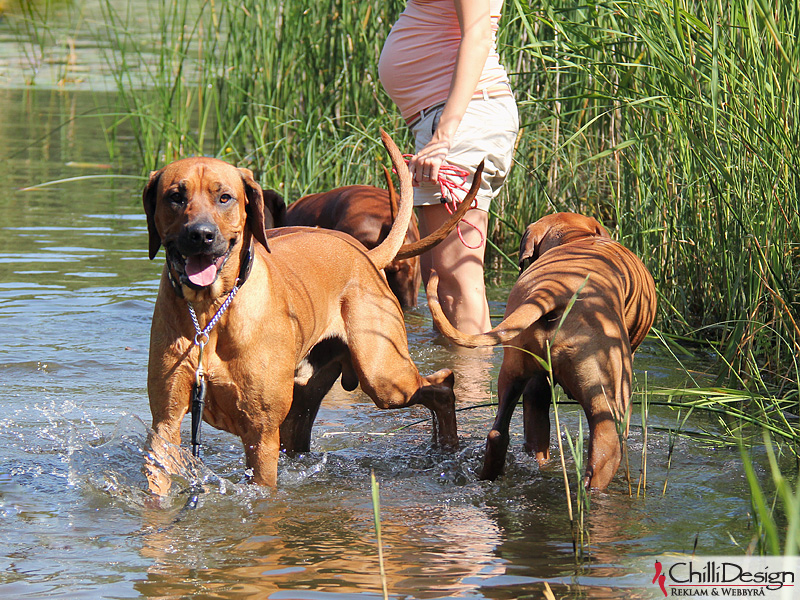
pixel 309 305
pixel 591 350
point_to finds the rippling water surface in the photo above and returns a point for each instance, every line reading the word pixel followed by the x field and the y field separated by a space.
pixel 76 296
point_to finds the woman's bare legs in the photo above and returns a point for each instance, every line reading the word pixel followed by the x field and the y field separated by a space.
pixel 461 289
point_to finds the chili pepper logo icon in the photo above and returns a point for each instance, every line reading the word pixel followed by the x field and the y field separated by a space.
pixel 661 578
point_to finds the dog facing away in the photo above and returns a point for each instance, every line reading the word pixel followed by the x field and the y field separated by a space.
pixel 310 305
pixel 591 343
pixel 367 213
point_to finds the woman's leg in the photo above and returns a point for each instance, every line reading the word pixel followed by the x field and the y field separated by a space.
pixel 461 289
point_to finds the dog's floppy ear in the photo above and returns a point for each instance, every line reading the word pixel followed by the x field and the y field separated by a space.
pixel 265 209
pixel 600 230
pixel 276 209
pixel 529 245
pixel 149 202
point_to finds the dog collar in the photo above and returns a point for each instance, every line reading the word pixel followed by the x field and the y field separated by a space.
pixel 244 273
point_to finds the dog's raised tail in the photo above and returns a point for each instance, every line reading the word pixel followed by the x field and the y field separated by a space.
pixel 429 241
pixel 383 254
pixel 504 333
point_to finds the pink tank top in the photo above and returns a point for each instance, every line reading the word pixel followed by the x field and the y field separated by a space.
pixel 419 56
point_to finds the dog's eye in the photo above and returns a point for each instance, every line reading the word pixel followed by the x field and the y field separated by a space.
pixel 176 198
pixel 225 198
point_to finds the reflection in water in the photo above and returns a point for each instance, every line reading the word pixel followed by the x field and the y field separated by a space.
pixel 271 543
pixel 76 296
pixel 475 373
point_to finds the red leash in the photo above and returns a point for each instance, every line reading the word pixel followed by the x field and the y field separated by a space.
pixel 448 174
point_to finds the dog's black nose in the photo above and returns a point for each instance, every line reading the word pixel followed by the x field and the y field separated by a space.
pixel 202 235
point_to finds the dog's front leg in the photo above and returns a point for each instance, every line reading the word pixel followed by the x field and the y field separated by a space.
pixel 509 389
pixel 169 388
pixel 262 448
pixel 263 409
pixel 163 455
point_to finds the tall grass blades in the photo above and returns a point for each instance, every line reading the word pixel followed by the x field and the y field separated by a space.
pixel 676 122
pixel 163 76
pixel 46 31
pixel 288 89
pixel 769 530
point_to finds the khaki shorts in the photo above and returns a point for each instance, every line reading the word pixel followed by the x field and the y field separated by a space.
pixel 487 132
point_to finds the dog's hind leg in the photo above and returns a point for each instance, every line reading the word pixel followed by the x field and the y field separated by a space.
pixel 436 393
pixel 536 400
pixel 605 397
pixel 313 380
pixel 306 400
pixel 380 358
pixel 605 452
pixel 296 427
pixel 402 386
pixel 509 389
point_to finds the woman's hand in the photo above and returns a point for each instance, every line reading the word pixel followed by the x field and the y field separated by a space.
pixel 425 165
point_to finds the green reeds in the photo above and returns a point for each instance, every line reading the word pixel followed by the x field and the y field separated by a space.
pixel 376 513
pixel 767 530
pixel 290 90
pixel 641 488
pixel 675 123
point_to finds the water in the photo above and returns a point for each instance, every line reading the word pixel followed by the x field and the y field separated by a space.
pixel 76 295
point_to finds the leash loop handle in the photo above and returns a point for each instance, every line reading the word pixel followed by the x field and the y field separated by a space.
pixel 198 402
pixel 447 188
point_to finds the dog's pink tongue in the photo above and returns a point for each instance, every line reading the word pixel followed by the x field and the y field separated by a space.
pixel 201 270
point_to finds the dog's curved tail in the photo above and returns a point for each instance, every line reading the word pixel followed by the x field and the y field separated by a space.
pixel 384 253
pixel 392 194
pixel 389 249
pixel 504 333
pixel 429 241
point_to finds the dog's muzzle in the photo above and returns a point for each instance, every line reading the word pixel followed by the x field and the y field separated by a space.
pixel 198 254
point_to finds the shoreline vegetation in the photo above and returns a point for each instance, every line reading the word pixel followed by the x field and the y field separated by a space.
pixel 675 123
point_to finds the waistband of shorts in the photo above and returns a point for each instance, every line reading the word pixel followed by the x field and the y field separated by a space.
pixel 493 91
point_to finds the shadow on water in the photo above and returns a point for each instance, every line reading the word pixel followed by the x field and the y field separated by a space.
pixel 76 294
